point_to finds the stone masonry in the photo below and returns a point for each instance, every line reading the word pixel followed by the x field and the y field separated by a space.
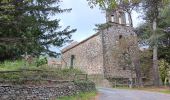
pixel 95 54
pixel 111 37
pixel 88 55
pixel 50 92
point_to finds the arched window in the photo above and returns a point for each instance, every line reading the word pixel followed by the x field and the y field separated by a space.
pixel 72 61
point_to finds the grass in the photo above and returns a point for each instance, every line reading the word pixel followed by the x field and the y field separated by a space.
pixel 11 65
pixel 165 90
pixel 41 73
pixel 45 73
pixel 16 65
pixel 81 96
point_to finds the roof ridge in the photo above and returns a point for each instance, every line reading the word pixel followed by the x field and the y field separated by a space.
pixel 66 49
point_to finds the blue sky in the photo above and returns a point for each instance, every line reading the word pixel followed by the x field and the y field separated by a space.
pixel 83 18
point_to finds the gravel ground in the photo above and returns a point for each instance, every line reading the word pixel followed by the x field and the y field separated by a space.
pixel 120 94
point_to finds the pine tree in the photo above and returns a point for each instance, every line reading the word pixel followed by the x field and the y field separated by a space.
pixel 152 11
pixel 25 26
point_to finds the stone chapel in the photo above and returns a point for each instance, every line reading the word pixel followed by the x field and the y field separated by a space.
pixel 94 55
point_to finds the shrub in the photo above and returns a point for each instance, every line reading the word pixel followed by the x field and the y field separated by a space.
pixel 41 61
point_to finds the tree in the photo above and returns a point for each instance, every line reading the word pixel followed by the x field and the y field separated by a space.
pixel 25 26
pixel 144 31
pixel 164 41
pixel 152 8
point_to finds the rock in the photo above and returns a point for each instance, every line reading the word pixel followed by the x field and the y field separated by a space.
pixel 43 92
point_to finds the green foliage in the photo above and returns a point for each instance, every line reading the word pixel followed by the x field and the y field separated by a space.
pixel 69 71
pixel 33 72
pixel 80 96
pixel 164 68
pixel 164 53
pixel 11 65
pixel 152 10
pixel 112 4
pixel 25 26
pixel 154 16
pixel 164 19
pixel 164 44
pixel 41 61
pixel 144 33
pixel 165 91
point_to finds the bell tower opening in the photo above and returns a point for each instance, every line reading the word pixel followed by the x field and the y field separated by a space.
pixel 117 16
pixel 112 18
pixel 120 20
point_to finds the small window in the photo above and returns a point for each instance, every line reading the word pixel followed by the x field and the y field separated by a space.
pixel 72 61
pixel 120 36
pixel 124 68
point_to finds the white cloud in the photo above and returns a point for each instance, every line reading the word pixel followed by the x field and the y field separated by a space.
pixel 84 18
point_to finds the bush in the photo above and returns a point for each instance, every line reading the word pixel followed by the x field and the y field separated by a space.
pixel 41 61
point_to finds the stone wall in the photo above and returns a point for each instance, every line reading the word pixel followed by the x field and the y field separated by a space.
pixel 88 55
pixel 13 92
pixel 110 39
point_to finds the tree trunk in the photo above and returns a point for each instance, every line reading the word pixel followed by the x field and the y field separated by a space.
pixel 156 77
pixel 156 80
